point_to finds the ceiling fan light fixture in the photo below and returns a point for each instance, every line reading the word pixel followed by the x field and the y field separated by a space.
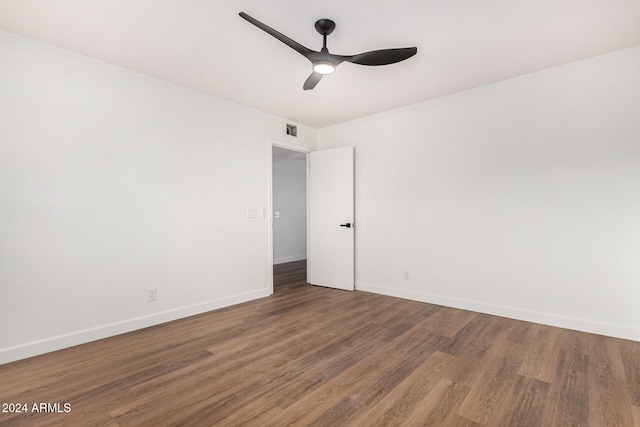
pixel 323 62
pixel 324 67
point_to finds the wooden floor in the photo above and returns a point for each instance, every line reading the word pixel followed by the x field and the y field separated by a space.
pixel 311 356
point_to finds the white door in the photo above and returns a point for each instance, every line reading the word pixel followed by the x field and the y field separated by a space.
pixel 330 237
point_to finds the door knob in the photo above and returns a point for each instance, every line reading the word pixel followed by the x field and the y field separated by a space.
pixel 348 225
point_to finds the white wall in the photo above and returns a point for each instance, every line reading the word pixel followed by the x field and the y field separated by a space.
pixel 290 201
pixel 112 182
pixel 520 198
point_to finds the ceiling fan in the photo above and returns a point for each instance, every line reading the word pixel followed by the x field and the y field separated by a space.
pixel 324 62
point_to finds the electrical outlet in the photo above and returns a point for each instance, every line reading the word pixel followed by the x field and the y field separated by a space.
pixel 152 294
pixel 406 275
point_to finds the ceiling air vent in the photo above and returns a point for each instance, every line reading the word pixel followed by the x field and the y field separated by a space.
pixel 292 130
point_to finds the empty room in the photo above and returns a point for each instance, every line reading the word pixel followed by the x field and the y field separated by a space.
pixel 325 213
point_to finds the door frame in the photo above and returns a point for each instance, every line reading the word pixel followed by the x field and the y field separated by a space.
pixel 270 144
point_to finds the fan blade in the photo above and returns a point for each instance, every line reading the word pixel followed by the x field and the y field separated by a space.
pixel 312 81
pixel 382 57
pixel 305 51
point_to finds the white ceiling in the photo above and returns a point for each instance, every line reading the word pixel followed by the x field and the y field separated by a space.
pixel 206 46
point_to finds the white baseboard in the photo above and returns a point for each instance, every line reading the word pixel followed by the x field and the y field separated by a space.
pixel 282 260
pixel 34 348
pixel 567 322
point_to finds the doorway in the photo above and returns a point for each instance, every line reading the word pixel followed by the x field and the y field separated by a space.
pixel 288 215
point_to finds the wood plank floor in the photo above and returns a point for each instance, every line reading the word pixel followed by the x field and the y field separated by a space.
pixel 310 356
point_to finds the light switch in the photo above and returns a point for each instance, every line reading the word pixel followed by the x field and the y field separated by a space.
pixel 252 213
pixel 263 212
